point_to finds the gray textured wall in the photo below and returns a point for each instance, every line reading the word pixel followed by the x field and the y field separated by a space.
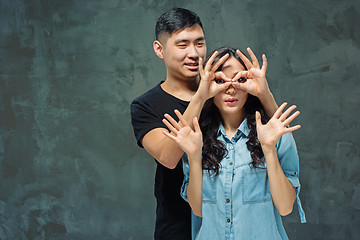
pixel 69 165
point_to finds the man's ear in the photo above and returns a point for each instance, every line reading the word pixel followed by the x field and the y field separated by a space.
pixel 158 49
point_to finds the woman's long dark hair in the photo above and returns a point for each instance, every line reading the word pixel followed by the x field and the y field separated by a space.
pixel 210 119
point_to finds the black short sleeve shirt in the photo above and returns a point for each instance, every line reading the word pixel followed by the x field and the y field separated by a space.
pixel 173 219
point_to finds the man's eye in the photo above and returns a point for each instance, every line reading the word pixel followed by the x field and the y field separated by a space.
pixel 242 79
pixel 219 81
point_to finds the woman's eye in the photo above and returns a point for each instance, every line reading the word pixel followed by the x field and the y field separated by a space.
pixel 219 81
pixel 242 79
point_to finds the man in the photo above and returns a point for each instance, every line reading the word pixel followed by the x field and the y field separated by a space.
pixel 180 42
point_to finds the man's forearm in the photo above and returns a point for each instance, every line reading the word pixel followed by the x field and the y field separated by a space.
pixel 269 103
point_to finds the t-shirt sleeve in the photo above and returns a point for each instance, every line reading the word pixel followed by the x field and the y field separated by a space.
pixel 289 161
pixel 144 119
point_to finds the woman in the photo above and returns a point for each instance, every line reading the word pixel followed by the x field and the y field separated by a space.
pixel 241 169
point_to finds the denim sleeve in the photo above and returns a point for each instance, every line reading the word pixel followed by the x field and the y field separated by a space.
pixel 185 183
pixel 289 161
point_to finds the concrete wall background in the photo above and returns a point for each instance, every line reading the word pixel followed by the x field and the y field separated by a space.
pixel 69 165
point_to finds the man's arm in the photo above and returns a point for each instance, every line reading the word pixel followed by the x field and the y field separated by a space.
pixel 162 148
pixel 256 83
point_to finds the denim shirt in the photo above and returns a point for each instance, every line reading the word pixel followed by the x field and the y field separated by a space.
pixel 237 203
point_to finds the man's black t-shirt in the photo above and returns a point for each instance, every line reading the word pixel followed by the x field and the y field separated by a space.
pixel 173 214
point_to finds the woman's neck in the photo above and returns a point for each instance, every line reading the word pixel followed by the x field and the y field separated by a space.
pixel 232 123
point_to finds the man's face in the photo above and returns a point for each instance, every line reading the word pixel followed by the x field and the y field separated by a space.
pixel 181 52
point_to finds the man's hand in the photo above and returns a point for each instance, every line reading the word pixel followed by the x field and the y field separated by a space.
pixel 209 75
pixel 255 83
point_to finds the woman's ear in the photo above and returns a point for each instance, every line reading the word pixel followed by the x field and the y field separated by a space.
pixel 158 49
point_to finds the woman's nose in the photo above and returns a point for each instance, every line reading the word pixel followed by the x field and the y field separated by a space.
pixel 231 89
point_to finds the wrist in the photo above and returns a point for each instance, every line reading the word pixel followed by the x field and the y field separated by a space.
pixel 267 150
pixel 195 156
pixel 198 98
pixel 265 95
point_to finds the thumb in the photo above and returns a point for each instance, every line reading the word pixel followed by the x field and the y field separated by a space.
pixel 258 119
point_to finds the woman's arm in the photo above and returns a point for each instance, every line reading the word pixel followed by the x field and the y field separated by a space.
pixel 194 189
pixel 190 141
pixel 282 192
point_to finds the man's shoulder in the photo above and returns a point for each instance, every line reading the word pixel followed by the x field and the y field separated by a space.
pixel 152 93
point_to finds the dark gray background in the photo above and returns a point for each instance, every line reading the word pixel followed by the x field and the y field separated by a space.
pixel 69 164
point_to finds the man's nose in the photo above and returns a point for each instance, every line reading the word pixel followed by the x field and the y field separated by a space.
pixel 193 52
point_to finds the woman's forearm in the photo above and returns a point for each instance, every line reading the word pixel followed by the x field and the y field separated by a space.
pixel 194 190
pixel 282 192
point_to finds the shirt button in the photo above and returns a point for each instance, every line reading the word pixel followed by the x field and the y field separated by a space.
pixel 228 220
pixel 238 133
pixel 231 163
pixel 231 147
pixel 227 200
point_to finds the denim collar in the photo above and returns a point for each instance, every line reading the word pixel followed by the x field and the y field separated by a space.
pixel 243 128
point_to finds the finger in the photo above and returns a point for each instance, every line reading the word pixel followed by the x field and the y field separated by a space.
pixel 210 61
pixel 291 118
pixel 258 119
pixel 201 68
pixel 264 66
pixel 291 129
pixel 169 135
pixel 219 62
pixel 244 86
pixel 247 62
pixel 196 125
pixel 223 87
pixel 181 118
pixel 253 58
pixel 286 113
pixel 172 121
pixel 221 75
pixel 239 75
pixel 279 110
pixel 170 127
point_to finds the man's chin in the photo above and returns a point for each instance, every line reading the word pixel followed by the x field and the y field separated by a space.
pixel 192 75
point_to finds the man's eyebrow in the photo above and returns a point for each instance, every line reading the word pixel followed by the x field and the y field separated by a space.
pixel 181 41
pixel 187 40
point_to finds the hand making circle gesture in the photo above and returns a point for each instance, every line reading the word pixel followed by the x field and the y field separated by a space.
pixel 255 83
pixel 209 75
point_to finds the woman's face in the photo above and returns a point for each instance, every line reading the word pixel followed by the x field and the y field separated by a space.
pixel 231 101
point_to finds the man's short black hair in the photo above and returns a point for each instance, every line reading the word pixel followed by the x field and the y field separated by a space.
pixel 176 19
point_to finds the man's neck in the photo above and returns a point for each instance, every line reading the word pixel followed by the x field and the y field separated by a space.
pixel 182 89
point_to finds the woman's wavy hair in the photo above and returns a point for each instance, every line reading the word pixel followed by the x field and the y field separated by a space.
pixel 210 119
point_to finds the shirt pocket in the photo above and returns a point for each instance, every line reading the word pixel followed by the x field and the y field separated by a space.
pixel 256 187
pixel 209 187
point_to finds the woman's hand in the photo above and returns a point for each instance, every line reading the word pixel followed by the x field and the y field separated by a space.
pixel 270 133
pixel 255 83
pixel 208 86
pixel 188 140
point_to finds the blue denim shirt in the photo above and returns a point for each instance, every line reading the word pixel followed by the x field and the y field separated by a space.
pixel 237 203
